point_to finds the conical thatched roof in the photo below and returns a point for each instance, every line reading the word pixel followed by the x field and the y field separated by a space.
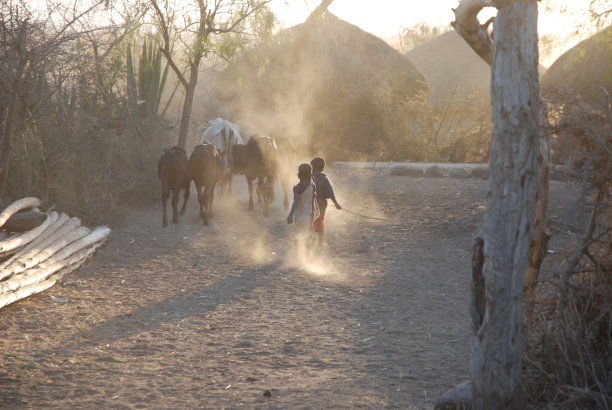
pixel 345 91
pixel 451 67
pixel 583 67
pixel 459 89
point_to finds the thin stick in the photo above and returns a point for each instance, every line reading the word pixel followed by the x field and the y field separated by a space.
pixel 365 216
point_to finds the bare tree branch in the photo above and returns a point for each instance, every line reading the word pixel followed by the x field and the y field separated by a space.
pixel 467 25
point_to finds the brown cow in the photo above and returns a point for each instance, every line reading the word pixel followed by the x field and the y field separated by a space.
pixel 206 170
pixel 174 173
pixel 258 158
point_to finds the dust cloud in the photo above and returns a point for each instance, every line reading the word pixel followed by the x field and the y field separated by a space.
pixel 259 241
pixel 336 92
pixel 331 88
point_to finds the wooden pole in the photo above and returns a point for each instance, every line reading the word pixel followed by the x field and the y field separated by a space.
pixel 23 203
pixel 10 297
pixel 43 255
pixel 67 256
pixel 23 264
pixel 60 220
pixel 9 245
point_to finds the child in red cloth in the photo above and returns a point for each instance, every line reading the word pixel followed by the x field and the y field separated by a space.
pixel 324 192
pixel 304 208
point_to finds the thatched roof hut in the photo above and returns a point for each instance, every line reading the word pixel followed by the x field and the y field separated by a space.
pixel 583 68
pixel 452 69
pixel 342 92
pixel 459 89
pixel 580 122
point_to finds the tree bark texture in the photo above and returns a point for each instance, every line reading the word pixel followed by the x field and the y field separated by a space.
pixel 187 106
pixel 476 35
pixel 6 143
pixel 541 235
pixel 502 245
pixel 468 27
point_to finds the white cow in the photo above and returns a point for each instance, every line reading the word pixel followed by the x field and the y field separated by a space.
pixel 223 135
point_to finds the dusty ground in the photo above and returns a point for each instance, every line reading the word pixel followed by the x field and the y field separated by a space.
pixel 213 317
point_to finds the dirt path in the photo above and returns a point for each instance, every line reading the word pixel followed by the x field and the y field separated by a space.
pixel 212 317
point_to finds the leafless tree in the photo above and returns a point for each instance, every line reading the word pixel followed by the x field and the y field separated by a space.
pixel 196 25
pixel 417 34
pixel 27 49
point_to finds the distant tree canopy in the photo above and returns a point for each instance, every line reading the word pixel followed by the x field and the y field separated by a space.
pixel 592 14
pixel 410 37
pixel 588 17
pixel 199 23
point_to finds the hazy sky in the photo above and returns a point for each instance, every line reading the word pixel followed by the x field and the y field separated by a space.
pixel 385 17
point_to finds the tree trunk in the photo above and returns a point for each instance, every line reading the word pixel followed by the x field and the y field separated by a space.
pixel 468 27
pixel 477 37
pixel 304 33
pixel 187 105
pixel 5 144
pixel 13 208
pixel 539 243
pixel 503 241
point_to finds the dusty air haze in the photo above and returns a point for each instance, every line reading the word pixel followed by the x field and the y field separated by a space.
pixel 386 18
pixel 227 314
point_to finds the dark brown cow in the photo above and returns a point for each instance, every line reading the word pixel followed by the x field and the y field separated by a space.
pixel 206 170
pixel 258 158
pixel 286 165
pixel 174 173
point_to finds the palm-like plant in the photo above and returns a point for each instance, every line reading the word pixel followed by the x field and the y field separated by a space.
pixel 145 88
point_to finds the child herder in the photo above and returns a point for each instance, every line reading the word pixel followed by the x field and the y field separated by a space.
pixel 304 209
pixel 325 191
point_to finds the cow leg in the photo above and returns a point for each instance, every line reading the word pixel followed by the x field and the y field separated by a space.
pixel 164 200
pixel 260 189
pixel 225 184
pixel 222 185
pixel 211 198
pixel 267 195
pixel 175 199
pixel 270 181
pixel 272 195
pixel 185 198
pixel 199 196
pixel 204 205
pixel 250 185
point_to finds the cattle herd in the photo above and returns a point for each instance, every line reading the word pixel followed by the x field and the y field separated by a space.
pixel 219 156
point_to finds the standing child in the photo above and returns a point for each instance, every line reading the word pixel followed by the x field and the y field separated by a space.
pixel 304 209
pixel 324 192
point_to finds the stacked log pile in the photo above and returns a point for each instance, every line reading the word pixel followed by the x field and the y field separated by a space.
pixel 38 249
